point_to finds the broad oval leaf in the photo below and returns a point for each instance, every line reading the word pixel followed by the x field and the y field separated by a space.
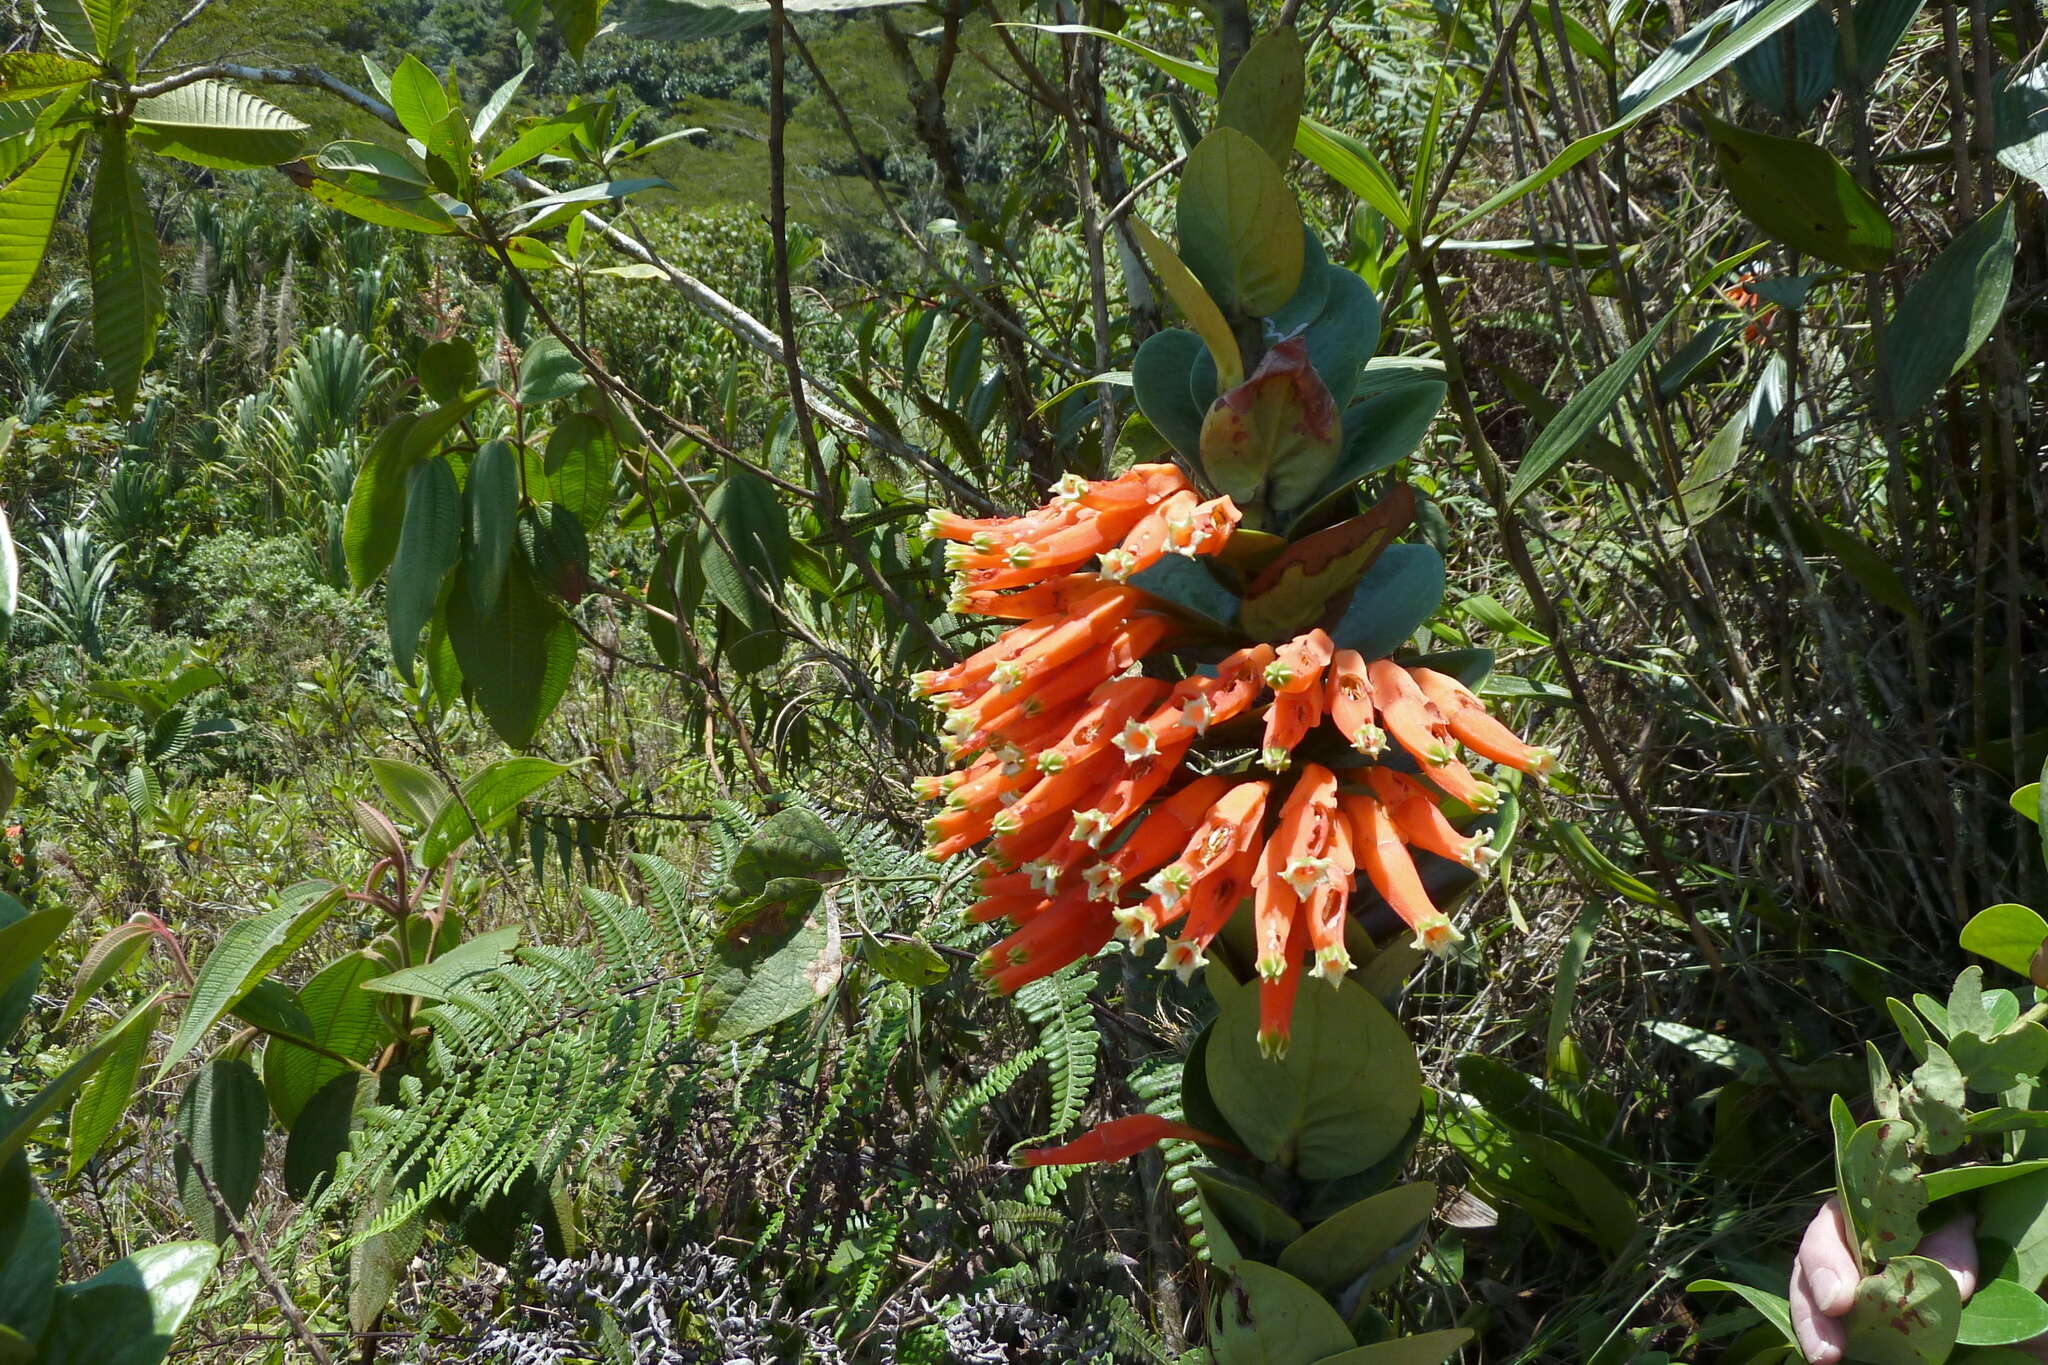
pixel 1194 303
pixel 2010 935
pixel 1159 381
pixel 1345 1094
pixel 1396 596
pixel 211 123
pixel 1906 1314
pixel 1354 1240
pixel 1240 228
pixel 1800 195
pixel 428 544
pixel 221 1120
pixel 1273 439
pixel 493 498
pixel 344 1022
pixel 485 803
pixel 129 1312
pixel 1263 99
pixel 1947 313
pixel 1424 1348
pixel 249 950
pixel 1265 1316
pixel 127 280
pixel 376 504
pixel 2001 1313
pixel 516 658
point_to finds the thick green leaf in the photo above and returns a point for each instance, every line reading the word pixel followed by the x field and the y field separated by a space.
pixel 434 980
pixel 421 104
pixel 1186 583
pixel 1159 381
pixel 1240 228
pixel 1424 1348
pixel 428 545
pixel 540 136
pixel 249 950
pixel 1907 1314
pixel 221 1120
pixel 376 504
pixel 1263 100
pixel 1955 1180
pixel 1273 439
pixel 16 1125
pixel 1265 1316
pixel 31 75
pixel 31 1264
pixel 18 997
pixel 2017 1222
pixel 493 495
pixel 321 1130
pixel 414 790
pixel 1197 307
pixel 210 123
pixel 1882 1192
pixel 516 658
pixel 1800 195
pixel 1379 432
pixel 1356 1240
pixel 344 1022
pixel 752 522
pixel 448 369
pixel 2020 123
pixel 1398 594
pixel 789 843
pixel 127 280
pixel 103 1099
pixel 548 371
pixel 581 460
pixel 129 1312
pixel 485 804
pixel 1583 413
pixel 2010 935
pixel 775 956
pixel 1947 313
pixel 2001 1312
pixel 1251 1220
pixel 1345 1094
pixel 23 941
pixel 362 188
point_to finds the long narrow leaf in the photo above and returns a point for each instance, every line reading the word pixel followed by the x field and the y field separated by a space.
pixel 28 210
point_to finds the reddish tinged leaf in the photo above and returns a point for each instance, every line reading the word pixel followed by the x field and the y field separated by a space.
pixel 1296 589
pixel 1117 1139
pixel 1273 439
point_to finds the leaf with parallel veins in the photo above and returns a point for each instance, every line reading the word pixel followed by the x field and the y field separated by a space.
pixel 1300 586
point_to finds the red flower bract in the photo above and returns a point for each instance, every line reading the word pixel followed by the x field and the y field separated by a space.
pixel 1071 765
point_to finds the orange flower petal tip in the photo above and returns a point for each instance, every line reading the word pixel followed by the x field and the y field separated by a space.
pixel 1436 934
pixel 1118 1139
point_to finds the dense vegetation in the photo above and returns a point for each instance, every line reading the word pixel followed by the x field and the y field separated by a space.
pixel 467 591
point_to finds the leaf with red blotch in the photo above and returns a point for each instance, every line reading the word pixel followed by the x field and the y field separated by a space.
pixel 1298 588
pixel 1274 438
pixel 1119 1138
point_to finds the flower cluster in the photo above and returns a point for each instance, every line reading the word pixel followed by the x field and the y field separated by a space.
pixel 1071 761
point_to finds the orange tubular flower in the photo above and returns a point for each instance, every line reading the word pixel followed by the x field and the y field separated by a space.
pixel 1420 729
pixel 1294 864
pixel 1276 996
pixel 1422 825
pixel 1348 701
pixel 1118 1139
pixel 1475 729
pixel 1056 597
pixel 1288 721
pixel 1150 538
pixel 1384 859
pixel 1299 664
pixel 1208 908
